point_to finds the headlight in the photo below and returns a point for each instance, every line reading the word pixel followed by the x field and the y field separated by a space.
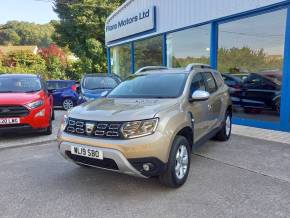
pixel 35 104
pixel 134 129
pixel 64 122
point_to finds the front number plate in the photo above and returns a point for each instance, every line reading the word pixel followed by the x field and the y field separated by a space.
pixel 7 121
pixel 87 152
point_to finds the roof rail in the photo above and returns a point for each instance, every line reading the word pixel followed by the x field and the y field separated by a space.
pixel 148 68
pixel 192 66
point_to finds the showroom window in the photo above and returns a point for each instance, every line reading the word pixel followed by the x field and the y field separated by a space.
pixel 121 60
pixel 188 46
pixel 148 52
pixel 250 56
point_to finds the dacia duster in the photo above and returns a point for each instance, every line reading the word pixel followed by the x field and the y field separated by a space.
pixel 148 125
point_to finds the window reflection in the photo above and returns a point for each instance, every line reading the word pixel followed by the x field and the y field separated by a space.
pixel 120 60
pixel 188 46
pixel 250 56
pixel 148 52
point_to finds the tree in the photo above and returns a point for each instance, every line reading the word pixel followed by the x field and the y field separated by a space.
pixel 23 62
pixel 55 60
pixel 25 33
pixel 81 28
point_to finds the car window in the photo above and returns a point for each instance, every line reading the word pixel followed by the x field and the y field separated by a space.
pixel 20 84
pixel 219 79
pixel 211 86
pixel 101 82
pixel 51 85
pixel 197 83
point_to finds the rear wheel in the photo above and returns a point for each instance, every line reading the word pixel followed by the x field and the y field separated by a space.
pixel 178 164
pixel 225 133
pixel 67 104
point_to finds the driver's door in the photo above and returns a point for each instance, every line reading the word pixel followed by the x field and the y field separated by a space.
pixel 199 109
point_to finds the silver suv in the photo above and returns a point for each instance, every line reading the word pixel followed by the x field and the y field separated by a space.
pixel 148 125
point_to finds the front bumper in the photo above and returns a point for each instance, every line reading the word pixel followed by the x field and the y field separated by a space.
pixel 113 160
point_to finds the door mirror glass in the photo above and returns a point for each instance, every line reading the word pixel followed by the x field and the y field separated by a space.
pixel 104 93
pixel 200 95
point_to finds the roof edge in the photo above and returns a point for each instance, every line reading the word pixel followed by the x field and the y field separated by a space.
pixel 118 10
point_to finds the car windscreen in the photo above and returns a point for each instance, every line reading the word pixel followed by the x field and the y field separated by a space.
pixel 19 84
pixel 101 82
pixel 151 86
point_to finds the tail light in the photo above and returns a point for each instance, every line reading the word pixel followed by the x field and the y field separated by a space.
pixel 238 87
pixel 74 88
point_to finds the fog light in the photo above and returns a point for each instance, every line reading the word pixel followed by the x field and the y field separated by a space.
pixel 147 166
pixel 40 113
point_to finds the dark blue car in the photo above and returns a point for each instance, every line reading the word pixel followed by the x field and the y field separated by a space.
pixel 63 92
pixel 93 85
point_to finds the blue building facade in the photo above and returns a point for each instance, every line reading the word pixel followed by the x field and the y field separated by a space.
pixel 248 41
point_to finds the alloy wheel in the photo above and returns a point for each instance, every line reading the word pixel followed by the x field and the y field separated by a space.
pixel 181 162
pixel 67 104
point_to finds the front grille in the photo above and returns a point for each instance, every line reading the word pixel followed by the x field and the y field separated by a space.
pixel 13 111
pixel 106 163
pixel 98 129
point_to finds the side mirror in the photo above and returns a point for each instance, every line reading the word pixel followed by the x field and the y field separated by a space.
pixel 104 94
pixel 78 89
pixel 199 95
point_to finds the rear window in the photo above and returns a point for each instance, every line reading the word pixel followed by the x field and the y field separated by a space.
pixel 96 82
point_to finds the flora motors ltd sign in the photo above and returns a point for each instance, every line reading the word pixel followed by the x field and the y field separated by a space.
pixel 130 25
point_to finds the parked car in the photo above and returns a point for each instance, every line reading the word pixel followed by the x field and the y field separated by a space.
pixel 149 123
pixel 93 85
pixel 63 92
pixel 236 87
pixel 259 91
pixel 25 104
pixel 262 92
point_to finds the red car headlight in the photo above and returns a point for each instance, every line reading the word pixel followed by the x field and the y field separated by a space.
pixel 35 104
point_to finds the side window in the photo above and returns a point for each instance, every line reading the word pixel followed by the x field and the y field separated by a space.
pixel 197 83
pixel 50 85
pixel 211 86
pixel 219 79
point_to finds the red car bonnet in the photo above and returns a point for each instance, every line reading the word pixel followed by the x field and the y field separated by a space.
pixel 20 98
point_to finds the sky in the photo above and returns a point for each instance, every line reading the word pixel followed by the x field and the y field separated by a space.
pixel 37 11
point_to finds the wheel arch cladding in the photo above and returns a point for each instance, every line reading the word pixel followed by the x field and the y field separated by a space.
pixel 187 132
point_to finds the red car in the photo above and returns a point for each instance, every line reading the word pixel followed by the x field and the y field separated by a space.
pixel 25 104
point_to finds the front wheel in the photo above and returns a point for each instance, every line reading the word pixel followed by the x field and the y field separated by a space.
pixel 178 164
pixel 48 130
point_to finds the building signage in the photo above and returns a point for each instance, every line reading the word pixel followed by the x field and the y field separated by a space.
pixel 132 24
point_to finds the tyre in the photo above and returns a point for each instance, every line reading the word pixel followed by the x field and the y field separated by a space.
pixel 67 104
pixel 48 130
pixel 225 133
pixel 52 114
pixel 178 165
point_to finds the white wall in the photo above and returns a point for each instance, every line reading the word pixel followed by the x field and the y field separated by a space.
pixel 175 14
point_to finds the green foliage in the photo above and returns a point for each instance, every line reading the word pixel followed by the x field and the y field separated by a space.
pixel 25 33
pixel 23 62
pixel 246 59
pixel 81 28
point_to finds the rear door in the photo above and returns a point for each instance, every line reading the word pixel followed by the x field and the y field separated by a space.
pixel 199 109
pixel 56 92
pixel 214 102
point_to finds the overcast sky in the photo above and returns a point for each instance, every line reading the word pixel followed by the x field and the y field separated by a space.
pixel 26 10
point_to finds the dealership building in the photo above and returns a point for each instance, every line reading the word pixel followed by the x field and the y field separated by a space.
pixel 246 40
